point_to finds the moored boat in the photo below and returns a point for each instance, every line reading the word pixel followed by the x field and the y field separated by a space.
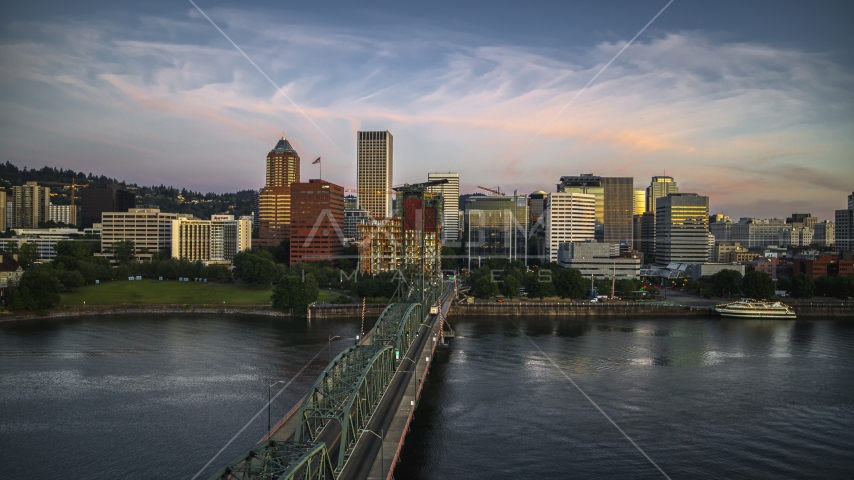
pixel 748 308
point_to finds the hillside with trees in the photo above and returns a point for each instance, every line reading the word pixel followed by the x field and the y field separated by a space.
pixel 166 198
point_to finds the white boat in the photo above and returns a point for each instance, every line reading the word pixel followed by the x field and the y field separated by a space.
pixel 748 308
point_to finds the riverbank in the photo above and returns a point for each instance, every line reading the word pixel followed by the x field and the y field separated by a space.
pixel 80 311
pixel 516 309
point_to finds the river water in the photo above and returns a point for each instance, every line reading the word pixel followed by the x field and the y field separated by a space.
pixel 158 396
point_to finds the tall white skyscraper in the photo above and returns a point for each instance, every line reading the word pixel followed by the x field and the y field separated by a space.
pixel 374 173
pixel 451 212
pixel 569 217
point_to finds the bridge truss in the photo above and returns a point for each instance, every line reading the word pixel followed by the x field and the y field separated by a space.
pixel 345 395
pixel 281 461
pixel 347 392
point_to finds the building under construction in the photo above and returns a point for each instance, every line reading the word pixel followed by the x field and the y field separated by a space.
pixel 421 215
pixel 380 246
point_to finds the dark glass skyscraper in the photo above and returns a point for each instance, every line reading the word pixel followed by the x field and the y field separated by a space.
pixel 97 199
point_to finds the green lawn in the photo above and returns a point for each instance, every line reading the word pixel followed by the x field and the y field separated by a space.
pixel 173 293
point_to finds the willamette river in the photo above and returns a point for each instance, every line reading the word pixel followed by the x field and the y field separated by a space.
pixel 158 396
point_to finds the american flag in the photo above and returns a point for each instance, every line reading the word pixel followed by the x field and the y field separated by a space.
pixel 316 161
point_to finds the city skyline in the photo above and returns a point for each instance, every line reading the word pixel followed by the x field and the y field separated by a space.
pixel 752 110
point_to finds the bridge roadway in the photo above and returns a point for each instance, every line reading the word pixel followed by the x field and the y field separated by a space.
pixel 391 416
pixel 395 410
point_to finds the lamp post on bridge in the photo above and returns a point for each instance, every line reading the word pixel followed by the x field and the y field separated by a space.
pixel 269 400
pixel 382 449
pixel 415 376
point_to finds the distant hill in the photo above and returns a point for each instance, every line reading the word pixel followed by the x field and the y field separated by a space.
pixel 168 199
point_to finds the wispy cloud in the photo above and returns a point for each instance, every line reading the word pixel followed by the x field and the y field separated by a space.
pixel 709 110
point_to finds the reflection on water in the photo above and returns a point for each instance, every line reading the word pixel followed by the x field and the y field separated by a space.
pixel 146 396
pixel 705 398
pixel 156 397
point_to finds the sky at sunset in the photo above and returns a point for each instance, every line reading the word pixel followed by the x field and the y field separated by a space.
pixel 750 103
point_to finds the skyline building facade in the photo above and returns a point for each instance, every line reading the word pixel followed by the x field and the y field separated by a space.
pixel 148 228
pixel 451 197
pixel 214 241
pixel 640 201
pixel 97 199
pixel 496 226
pixel 30 205
pixel 569 217
pixel 845 226
pixel 374 169
pixel 317 221
pixel 682 230
pixel 274 200
pixel 614 203
pixel 659 187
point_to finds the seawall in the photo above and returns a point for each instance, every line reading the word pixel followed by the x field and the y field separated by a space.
pixel 841 309
pixel 144 309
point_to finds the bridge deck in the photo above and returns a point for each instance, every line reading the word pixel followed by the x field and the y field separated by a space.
pixel 383 466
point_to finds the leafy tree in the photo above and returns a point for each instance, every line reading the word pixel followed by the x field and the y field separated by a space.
pixel 802 286
pixel 757 285
pixel 570 284
pixel 37 290
pixel 510 287
pixel 294 294
pixel 449 258
pixel 484 287
pixel 265 254
pixel 726 282
pixel 254 269
pixel 123 251
pixel 71 279
pixel 538 286
pixel 282 252
pixel 626 287
pixel 835 286
pixel 28 254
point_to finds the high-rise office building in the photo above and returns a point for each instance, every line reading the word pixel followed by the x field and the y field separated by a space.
pixel 30 205
pixel 640 201
pixel 217 240
pixel 317 221
pixel 66 214
pixel 569 217
pixel 658 188
pixel 3 223
pixel 682 229
pixel 644 233
pixel 537 205
pixel 451 194
pixel 496 226
pixel 845 226
pixel 274 200
pixel 148 228
pixel 97 199
pixel 374 173
pixel 614 203
pixel 824 234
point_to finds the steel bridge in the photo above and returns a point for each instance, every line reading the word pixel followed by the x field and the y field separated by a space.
pixel 342 400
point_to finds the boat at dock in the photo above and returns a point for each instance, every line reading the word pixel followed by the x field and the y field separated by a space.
pixel 748 308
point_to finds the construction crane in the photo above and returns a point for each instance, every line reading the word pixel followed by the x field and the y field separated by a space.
pixel 496 190
pixel 65 184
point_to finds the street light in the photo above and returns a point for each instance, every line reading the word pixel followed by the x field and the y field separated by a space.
pixel 270 399
pixel 415 375
pixel 382 448
pixel 329 351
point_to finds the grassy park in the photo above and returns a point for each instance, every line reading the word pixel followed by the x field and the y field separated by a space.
pixel 171 292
